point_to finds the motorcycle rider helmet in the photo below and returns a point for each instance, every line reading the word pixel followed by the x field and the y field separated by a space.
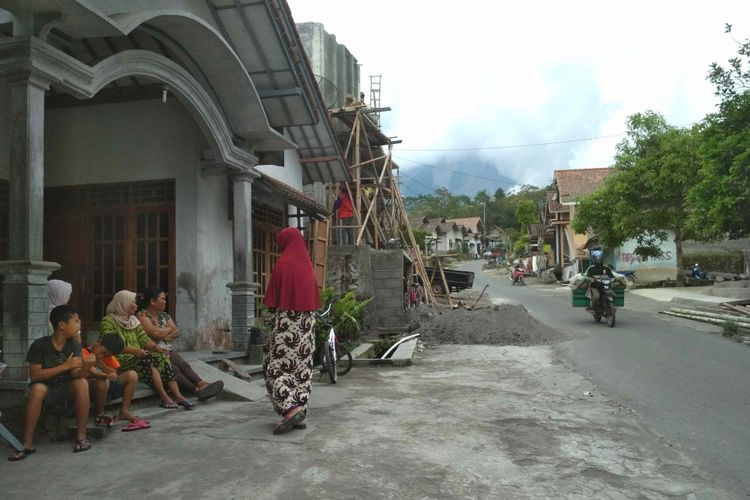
pixel 597 256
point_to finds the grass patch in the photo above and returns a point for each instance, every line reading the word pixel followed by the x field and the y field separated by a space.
pixel 731 329
pixel 381 346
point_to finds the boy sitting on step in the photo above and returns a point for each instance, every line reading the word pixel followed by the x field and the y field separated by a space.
pixel 56 376
pixel 106 383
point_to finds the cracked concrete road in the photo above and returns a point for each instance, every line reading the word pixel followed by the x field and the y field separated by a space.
pixel 463 422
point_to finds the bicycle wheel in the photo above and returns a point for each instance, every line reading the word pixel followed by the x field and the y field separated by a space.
pixel 344 361
pixel 331 364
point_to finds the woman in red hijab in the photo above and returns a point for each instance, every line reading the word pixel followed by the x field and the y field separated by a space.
pixel 292 296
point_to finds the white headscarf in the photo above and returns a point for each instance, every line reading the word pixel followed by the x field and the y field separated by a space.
pixel 58 292
pixel 118 309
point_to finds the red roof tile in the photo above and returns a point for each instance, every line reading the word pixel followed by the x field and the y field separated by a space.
pixel 575 183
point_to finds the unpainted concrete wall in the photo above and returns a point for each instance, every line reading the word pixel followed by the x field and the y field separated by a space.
pixel 370 273
pixel 332 61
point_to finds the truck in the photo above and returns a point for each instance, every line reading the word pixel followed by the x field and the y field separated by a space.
pixel 457 280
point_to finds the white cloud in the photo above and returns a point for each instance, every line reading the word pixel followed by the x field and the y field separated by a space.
pixel 484 73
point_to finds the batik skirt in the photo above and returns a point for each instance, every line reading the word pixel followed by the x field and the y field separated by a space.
pixel 288 359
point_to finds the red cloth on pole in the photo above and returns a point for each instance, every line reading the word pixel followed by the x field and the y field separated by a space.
pixel 345 208
pixel 292 286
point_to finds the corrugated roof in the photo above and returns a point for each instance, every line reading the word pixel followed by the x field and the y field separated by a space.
pixel 574 183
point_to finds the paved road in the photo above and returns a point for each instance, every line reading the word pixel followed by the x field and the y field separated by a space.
pixel 689 385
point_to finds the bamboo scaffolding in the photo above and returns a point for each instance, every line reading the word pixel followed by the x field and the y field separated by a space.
pixel 378 225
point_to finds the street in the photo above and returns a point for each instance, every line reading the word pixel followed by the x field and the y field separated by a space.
pixel 465 421
pixel 689 385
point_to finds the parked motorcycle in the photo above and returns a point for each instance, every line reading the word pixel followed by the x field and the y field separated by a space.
pixel 606 306
pixel 516 276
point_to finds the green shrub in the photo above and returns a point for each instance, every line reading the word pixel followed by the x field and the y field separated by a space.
pixel 348 315
pixel 723 262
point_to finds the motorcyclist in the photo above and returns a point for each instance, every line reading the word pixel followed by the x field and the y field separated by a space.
pixel 696 271
pixel 596 269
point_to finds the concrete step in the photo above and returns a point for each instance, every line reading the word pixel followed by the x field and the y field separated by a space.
pixel 234 388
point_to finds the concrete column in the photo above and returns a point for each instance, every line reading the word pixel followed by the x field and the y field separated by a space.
pixel 26 183
pixel 25 311
pixel 243 288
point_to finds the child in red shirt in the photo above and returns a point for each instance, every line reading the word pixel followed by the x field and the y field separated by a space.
pixel 106 383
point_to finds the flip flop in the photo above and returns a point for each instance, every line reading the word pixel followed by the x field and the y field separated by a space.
pixel 21 454
pixel 169 406
pixel 187 404
pixel 211 390
pixel 82 445
pixel 136 425
pixel 104 420
pixel 288 423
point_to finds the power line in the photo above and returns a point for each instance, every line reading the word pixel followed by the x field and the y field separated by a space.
pixel 431 188
pixel 507 183
pixel 530 145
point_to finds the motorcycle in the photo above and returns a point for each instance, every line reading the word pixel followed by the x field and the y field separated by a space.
pixel 605 308
pixel 516 276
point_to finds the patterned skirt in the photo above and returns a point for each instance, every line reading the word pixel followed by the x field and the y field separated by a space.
pixel 288 359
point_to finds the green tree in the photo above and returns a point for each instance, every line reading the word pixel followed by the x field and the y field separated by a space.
pixel 526 214
pixel 722 194
pixel 655 166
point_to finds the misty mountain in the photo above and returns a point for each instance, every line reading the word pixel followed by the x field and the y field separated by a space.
pixel 467 175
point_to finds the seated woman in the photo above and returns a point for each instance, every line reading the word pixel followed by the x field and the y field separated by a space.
pixel 141 353
pixel 158 324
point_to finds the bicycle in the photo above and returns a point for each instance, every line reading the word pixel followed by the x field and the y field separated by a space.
pixel 335 358
pixel 414 294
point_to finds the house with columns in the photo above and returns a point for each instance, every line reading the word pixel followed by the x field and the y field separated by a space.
pixel 153 143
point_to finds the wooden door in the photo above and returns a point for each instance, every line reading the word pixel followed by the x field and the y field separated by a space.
pixel 67 239
pixel 319 250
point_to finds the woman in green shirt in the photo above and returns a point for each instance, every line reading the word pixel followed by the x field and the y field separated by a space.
pixel 141 353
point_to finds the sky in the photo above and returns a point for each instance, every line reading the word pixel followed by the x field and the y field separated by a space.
pixel 487 81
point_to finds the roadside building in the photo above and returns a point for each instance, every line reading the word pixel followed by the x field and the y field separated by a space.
pixel 153 143
pixel 473 234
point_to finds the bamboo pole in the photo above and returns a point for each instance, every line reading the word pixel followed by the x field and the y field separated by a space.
pixel 725 317
pixel 703 319
pixel 357 161
pixel 371 209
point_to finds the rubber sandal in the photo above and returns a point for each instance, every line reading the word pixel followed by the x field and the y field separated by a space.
pixel 21 454
pixel 136 425
pixel 169 406
pixel 82 445
pixel 104 420
pixel 288 423
pixel 211 390
pixel 187 404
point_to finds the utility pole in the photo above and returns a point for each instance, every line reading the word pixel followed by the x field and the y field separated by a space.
pixel 484 226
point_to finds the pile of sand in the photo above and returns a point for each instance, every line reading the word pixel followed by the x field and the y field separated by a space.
pixel 504 324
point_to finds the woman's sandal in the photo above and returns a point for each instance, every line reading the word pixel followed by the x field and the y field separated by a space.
pixel 187 404
pixel 136 425
pixel 104 420
pixel 293 417
pixel 82 445
pixel 21 454
pixel 170 405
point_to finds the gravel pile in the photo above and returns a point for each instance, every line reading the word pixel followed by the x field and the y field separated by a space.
pixel 504 324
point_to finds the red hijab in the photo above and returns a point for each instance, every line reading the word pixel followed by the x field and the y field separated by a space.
pixel 292 286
